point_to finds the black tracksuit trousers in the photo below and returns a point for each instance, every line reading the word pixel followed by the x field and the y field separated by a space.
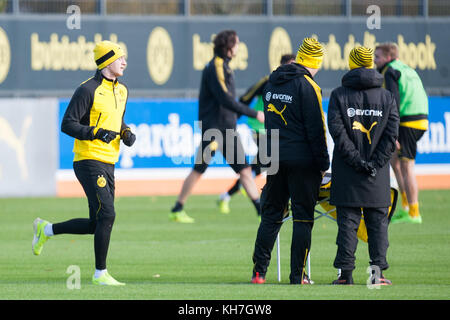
pixel 302 187
pixel 97 180
pixel 348 219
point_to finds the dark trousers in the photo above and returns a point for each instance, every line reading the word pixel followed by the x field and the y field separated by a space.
pixel 302 187
pixel 348 219
pixel 97 180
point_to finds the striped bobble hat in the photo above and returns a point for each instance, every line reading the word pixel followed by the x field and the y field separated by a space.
pixel 106 52
pixel 310 53
pixel 361 57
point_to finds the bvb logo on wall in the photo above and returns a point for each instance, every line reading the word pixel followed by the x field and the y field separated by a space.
pixel 5 55
pixel 159 55
pixel 280 44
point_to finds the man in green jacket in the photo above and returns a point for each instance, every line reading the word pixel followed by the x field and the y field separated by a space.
pixel 405 84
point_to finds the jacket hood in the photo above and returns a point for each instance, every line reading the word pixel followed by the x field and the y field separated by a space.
pixel 287 72
pixel 362 78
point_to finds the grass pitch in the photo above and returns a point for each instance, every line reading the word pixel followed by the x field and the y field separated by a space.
pixel 210 259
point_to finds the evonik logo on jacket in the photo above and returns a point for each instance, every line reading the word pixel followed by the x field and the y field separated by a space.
pixel 351 112
pixel 279 96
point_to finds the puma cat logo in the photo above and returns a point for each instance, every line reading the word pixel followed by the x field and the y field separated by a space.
pixel 358 126
pixel 271 108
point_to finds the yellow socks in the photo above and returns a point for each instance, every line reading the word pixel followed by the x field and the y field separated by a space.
pixel 404 200
pixel 413 207
pixel 414 210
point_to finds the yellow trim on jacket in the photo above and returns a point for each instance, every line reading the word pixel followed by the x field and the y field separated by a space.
pixel 318 91
pixel 218 63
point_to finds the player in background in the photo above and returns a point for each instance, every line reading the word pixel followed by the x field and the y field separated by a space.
pixel 412 102
pixel 218 113
pixel 255 91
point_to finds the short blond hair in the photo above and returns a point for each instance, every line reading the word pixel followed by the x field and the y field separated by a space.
pixel 388 48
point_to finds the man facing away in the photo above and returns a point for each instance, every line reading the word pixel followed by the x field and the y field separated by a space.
pixel 363 122
pixel 259 135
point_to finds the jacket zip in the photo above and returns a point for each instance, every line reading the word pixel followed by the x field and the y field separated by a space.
pixel 115 99
pixel 98 120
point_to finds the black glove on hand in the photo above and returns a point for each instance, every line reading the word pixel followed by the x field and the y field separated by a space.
pixel 369 168
pixel 105 135
pixel 128 137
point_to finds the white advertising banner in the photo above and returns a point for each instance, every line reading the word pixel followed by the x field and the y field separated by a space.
pixel 28 147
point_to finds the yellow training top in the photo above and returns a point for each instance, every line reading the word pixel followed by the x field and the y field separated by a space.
pixel 97 103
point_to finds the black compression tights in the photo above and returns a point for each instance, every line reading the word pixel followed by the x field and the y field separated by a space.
pixel 101 230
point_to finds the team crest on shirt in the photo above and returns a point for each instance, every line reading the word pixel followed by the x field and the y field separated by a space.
pixel 101 181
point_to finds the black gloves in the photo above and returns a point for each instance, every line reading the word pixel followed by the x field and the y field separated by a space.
pixel 105 135
pixel 369 168
pixel 128 137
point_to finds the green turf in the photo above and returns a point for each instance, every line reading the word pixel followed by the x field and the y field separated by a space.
pixel 210 259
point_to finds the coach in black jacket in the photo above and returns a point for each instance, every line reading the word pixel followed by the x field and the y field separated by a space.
pixel 363 122
pixel 293 107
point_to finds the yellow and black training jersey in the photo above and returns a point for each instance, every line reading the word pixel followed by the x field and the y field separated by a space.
pixel 97 103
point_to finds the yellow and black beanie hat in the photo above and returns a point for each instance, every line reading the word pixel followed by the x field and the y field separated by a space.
pixel 310 53
pixel 361 57
pixel 106 52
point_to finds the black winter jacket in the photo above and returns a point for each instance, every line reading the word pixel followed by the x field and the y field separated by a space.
pixel 391 77
pixel 218 108
pixel 293 105
pixel 363 121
